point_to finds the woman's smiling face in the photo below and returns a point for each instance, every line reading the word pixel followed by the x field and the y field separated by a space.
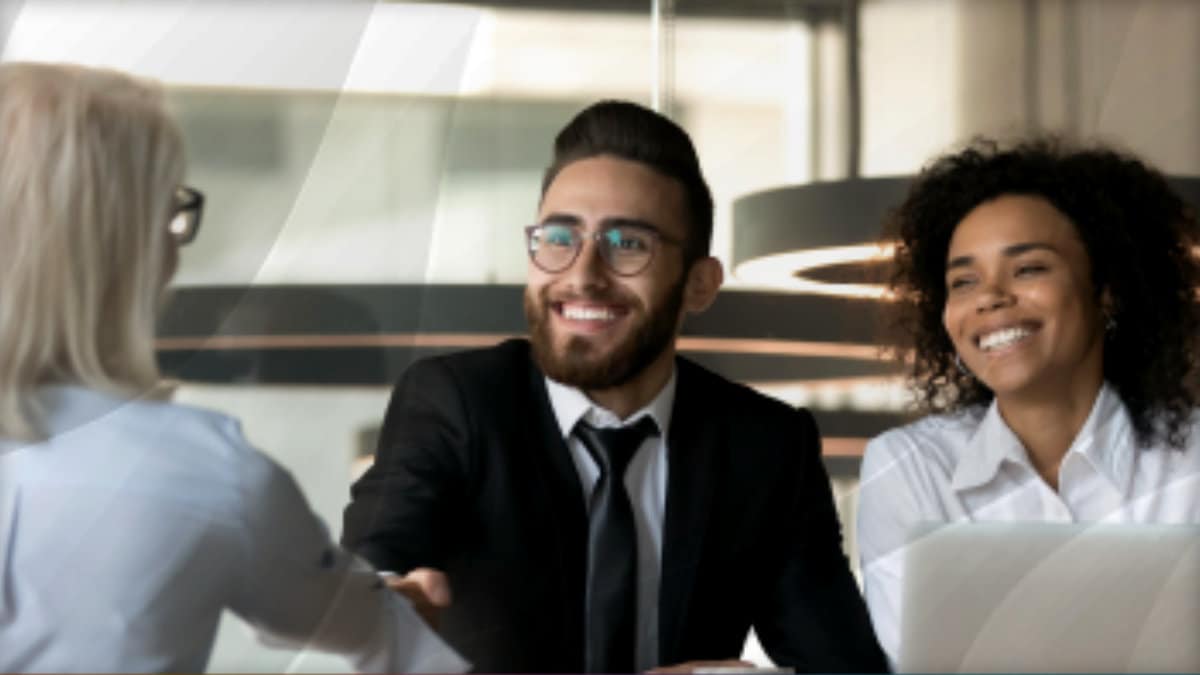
pixel 1021 308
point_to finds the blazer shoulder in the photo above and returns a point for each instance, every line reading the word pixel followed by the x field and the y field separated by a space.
pixel 937 439
pixel 763 426
pixel 510 360
pixel 721 394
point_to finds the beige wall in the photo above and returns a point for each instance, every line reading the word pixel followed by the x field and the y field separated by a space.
pixel 937 72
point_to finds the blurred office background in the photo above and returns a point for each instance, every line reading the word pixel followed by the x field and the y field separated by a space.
pixel 368 167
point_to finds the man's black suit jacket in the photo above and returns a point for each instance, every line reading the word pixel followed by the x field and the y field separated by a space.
pixel 472 477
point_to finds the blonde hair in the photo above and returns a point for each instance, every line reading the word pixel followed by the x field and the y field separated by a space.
pixel 89 163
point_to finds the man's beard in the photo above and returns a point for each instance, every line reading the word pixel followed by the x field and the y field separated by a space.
pixel 580 367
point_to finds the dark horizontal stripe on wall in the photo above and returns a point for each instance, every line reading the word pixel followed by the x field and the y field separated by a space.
pixel 843 467
pixel 857 423
pixel 381 366
pixel 449 308
pixel 332 366
pixel 334 309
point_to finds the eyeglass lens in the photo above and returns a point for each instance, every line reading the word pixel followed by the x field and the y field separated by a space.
pixel 627 250
pixel 181 225
pixel 186 219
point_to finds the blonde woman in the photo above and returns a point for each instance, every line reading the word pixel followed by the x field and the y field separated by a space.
pixel 127 523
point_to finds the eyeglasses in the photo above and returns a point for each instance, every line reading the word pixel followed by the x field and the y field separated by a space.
pixel 627 248
pixel 185 214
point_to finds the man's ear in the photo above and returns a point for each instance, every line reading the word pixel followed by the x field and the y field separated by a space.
pixel 704 280
pixel 1108 308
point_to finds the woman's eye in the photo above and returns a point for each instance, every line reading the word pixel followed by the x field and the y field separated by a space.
pixel 1029 269
pixel 958 283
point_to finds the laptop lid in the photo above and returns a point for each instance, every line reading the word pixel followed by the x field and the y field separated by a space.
pixel 1040 597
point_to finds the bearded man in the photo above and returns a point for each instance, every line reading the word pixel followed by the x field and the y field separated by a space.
pixel 587 500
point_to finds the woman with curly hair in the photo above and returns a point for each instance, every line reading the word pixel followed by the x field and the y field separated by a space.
pixel 1046 295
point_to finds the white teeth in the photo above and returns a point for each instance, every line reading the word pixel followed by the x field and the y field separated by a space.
pixel 589 313
pixel 1003 338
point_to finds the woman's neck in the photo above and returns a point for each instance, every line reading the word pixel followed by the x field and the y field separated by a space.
pixel 1048 425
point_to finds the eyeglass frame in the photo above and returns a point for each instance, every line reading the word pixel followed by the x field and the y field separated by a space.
pixel 597 237
pixel 190 203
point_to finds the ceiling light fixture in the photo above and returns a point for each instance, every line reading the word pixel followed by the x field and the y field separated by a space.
pixel 783 236
pixel 788 270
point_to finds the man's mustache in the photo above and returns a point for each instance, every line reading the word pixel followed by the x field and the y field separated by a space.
pixel 546 298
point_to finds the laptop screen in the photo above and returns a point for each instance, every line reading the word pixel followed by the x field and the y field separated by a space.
pixel 1040 597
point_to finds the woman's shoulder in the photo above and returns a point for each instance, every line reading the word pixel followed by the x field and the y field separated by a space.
pixel 939 436
pixel 168 425
pixel 175 442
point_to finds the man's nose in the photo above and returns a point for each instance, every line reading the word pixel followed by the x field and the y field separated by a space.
pixel 589 269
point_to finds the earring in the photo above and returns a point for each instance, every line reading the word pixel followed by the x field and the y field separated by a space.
pixel 962 368
pixel 1110 324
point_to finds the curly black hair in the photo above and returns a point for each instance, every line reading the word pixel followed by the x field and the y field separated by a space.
pixel 1138 234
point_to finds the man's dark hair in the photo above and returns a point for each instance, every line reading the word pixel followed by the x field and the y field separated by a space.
pixel 628 131
pixel 1138 234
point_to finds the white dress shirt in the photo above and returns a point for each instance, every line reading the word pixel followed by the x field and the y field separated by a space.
pixel 968 467
pixel 645 481
pixel 125 534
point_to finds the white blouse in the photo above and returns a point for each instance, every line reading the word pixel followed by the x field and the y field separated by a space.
pixel 971 467
pixel 124 535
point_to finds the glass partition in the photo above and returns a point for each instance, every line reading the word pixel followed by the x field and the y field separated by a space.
pixel 368 168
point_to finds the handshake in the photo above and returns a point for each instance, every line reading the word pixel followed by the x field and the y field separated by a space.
pixel 427 589
pixel 429 592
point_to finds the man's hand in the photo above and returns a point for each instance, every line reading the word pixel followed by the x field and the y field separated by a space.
pixel 731 665
pixel 426 588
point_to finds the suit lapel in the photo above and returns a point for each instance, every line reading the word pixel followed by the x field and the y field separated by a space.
pixel 564 511
pixel 561 479
pixel 692 446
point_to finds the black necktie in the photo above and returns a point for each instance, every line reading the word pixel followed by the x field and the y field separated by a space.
pixel 610 604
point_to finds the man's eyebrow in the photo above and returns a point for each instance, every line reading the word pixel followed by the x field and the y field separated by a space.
pixel 619 221
pixel 560 219
pixel 1009 252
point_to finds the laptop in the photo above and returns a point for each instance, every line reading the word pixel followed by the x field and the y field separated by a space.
pixel 1039 597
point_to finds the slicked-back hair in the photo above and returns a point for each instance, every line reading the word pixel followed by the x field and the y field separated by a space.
pixel 629 131
pixel 1138 234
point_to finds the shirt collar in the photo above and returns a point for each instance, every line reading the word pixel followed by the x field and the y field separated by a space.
pixel 1106 441
pixel 988 448
pixel 570 405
